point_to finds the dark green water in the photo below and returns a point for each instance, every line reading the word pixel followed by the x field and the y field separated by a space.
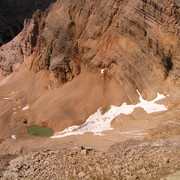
pixel 40 131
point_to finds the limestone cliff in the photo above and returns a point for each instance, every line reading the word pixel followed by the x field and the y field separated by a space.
pixel 132 39
pixel 137 42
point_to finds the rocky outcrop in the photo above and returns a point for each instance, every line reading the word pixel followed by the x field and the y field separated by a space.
pixel 14 12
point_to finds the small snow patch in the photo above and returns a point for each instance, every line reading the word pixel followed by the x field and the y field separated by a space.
pixel 14 112
pixel 25 107
pixel 102 71
pixel 14 136
pixel 7 98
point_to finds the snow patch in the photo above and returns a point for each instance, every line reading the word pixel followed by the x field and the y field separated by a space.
pixel 14 112
pixel 151 106
pixel 98 122
pixel 102 71
pixel 25 107
pixel 7 98
pixel 14 136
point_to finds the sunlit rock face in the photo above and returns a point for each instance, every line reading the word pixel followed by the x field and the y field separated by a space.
pixel 98 53
pixel 14 12
pixel 137 41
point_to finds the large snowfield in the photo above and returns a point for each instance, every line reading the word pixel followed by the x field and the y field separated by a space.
pixel 98 122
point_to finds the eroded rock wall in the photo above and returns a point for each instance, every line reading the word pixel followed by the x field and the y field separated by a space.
pixel 136 41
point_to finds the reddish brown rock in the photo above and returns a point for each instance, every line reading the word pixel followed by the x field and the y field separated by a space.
pixel 132 39
pixel 136 41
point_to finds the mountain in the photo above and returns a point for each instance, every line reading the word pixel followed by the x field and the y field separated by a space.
pixel 14 12
pixel 101 75
pixel 78 56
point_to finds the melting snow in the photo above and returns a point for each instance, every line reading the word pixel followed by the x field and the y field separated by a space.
pixel 102 71
pixel 7 98
pixel 25 107
pixel 98 122
pixel 13 136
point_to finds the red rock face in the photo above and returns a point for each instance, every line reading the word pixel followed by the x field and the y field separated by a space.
pixel 13 13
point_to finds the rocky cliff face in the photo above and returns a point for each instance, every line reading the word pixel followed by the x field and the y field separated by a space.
pixel 136 42
pixel 119 35
pixel 13 13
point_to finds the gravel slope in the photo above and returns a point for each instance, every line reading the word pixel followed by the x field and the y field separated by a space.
pixel 129 160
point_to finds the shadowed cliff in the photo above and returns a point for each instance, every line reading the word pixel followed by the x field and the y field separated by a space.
pixel 14 12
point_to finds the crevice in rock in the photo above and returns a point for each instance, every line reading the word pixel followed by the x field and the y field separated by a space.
pixel 168 64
